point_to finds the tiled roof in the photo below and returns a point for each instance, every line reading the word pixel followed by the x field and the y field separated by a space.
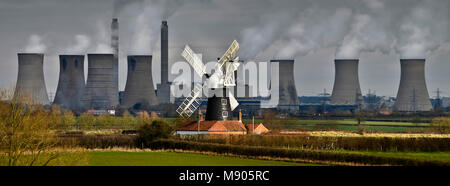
pixel 250 126
pixel 212 126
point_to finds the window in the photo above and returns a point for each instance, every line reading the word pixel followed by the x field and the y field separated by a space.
pixel 224 102
pixel 224 114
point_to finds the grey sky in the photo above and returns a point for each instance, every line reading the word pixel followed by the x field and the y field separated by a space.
pixel 378 32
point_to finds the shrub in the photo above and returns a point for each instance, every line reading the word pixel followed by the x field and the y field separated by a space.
pixel 147 132
pixel 97 141
pixel 441 124
pixel 86 121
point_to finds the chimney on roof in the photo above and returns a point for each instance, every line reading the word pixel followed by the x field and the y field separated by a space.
pixel 200 116
pixel 240 115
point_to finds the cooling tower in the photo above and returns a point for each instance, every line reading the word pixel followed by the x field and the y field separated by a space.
pixel 288 98
pixel 100 91
pixel 412 93
pixel 30 79
pixel 346 89
pixel 139 89
pixel 71 82
pixel 164 87
pixel 115 47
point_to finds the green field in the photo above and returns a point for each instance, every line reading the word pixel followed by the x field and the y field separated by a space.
pixel 439 156
pixel 116 158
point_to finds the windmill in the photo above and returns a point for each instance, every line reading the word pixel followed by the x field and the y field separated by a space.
pixel 222 102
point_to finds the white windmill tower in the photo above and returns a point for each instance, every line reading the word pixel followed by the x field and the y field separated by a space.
pixel 222 103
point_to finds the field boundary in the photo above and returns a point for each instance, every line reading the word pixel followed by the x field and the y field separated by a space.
pixel 293 154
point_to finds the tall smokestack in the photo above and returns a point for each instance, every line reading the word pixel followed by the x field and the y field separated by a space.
pixel 115 47
pixel 71 82
pixel 139 88
pixel 288 98
pixel 346 89
pixel 164 53
pixel 412 93
pixel 164 88
pixel 100 92
pixel 30 79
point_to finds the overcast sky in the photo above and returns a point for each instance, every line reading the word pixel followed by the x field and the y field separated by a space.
pixel 313 32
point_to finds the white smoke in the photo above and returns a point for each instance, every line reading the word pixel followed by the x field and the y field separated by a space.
pixel 411 29
pixel 146 25
pixel 255 39
pixel 310 33
pixel 145 30
pixel 80 45
pixel 103 43
pixel 424 29
pixel 374 5
pixel 35 44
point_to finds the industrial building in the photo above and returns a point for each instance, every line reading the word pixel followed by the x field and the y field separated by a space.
pixel 288 99
pixel 100 92
pixel 30 79
pixel 346 89
pixel 139 90
pixel 71 82
pixel 163 89
pixel 412 95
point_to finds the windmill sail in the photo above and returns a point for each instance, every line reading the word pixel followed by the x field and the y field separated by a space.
pixel 194 61
pixel 229 79
pixel 191 103
pixel 233 102
pixel 228 55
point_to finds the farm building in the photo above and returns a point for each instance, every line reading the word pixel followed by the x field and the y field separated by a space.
pixel 256 128
pixel 212 127
pixel 220 127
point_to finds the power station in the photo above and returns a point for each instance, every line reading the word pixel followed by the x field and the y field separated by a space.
pixel 30 79
pixel 288 98
pixel 71 82
pixel 139 90
pixel 412 93
pixel 100 92
pixel 346 89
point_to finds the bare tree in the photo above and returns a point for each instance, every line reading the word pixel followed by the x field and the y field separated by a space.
pixel 26 137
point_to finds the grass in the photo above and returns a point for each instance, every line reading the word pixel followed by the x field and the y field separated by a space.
pixel 439 156
pixel 116 158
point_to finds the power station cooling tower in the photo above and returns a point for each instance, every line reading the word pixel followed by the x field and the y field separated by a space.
pixel 288 98
pixel 71 82
pixel 139 90
pixel 30 79
pixel 346 89
pixel 100 91
pixel 412 93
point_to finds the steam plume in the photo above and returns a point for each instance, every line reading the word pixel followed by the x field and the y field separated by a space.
pixel 35 44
